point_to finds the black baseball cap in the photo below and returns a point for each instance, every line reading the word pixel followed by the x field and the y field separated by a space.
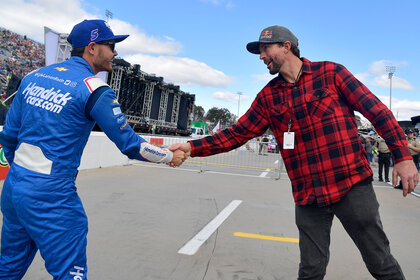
pixel 272 34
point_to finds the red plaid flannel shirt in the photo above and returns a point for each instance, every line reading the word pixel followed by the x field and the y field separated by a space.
pixel 328 158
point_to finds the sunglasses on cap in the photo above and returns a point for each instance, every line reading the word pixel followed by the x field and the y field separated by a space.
pixel 111 44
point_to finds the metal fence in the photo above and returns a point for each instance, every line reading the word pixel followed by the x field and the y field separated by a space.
pixel 253 158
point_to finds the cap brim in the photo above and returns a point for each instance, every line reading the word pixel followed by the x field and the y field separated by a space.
pixel 253 47
pixel 119 38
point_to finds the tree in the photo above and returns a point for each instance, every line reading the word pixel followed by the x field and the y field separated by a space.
pixel 198 113
pixel 220 114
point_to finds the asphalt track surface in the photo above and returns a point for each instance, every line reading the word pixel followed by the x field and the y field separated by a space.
pixel 141 215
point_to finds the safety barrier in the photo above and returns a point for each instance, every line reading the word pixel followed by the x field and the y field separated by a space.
pixel 253 157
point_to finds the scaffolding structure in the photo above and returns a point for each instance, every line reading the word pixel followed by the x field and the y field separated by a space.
pixel 150 104
pixel 63 48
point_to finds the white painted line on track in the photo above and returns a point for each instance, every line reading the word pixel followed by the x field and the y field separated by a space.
pixel 195 170
pixel 392 187
pixel 192 246
pixel 234 174
pixel 264 173
pixel 415 194
pixel 382 187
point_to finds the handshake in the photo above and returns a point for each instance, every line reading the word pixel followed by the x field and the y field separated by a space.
pixel 180 153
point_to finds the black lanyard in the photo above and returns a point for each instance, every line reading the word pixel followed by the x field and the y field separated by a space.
pixel 290 110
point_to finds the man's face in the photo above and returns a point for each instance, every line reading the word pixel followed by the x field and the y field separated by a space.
pixel 411 135
pixel 104 55
pixel 272 56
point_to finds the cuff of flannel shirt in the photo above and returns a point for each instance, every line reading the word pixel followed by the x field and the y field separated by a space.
pixel 196 147
pixel 401 154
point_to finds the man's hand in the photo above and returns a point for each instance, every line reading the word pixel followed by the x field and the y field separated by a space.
pixel 177 159
pixel 179 149
pixel 408 173
pixel 186 148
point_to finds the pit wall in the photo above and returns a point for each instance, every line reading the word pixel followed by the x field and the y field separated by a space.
pixel 102 152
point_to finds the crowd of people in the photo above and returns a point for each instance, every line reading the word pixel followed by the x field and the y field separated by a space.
pixel 378 152
pixel 19 55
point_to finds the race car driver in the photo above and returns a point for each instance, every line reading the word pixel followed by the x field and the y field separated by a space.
pixel 46 130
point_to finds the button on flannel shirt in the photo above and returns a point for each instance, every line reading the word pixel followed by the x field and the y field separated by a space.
pixel 328 158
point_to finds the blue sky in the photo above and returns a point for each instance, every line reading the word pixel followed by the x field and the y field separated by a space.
pixel 200 44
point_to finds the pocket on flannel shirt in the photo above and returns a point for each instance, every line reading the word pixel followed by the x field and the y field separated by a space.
pixel 320 103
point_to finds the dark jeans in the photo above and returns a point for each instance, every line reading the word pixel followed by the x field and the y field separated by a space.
pixel 358 213
pixel 384 160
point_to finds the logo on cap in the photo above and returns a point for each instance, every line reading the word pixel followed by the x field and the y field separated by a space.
pixel 94 34
pixel 266 35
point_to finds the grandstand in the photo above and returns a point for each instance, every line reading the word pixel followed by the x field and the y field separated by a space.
pixel 19 55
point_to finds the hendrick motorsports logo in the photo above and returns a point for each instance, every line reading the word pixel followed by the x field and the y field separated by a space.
pixel 47 99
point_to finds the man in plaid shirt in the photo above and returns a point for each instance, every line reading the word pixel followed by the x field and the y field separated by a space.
pixel 310 108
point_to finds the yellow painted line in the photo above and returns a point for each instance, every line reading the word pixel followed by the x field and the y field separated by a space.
pixel 266 237
pixel 231 165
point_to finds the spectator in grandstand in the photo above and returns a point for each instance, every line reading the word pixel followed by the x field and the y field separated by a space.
pixel 46 130
pixel 3 112
pixel 310 108
pixel 20 54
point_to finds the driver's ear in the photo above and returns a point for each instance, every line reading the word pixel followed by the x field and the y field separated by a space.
pixel 91 47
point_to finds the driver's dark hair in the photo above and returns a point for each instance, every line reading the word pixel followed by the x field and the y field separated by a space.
pixel 77 51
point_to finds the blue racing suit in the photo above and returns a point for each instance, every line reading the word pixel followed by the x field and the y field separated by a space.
pixel 46 130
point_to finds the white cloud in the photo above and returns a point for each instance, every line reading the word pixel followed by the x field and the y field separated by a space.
pixel 30 17
pixel 363 77
pixel 379 67
pixel 182 71
pixel 61 16
pixel 398 83
pixel 380 77
pixel 230 97
pixel 263 77
pixel 139 42
pixel 402 109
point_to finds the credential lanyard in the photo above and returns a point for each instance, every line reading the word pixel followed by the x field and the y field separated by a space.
pixel 289 136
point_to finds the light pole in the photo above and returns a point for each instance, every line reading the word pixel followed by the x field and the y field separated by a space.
pixel 239 99
pixel 390 70
pixel 108 15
